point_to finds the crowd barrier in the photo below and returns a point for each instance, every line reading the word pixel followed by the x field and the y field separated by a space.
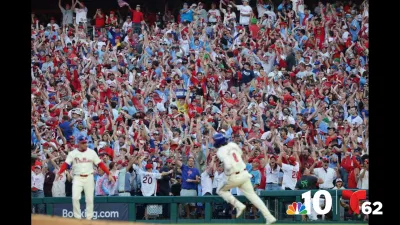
pixel 129 208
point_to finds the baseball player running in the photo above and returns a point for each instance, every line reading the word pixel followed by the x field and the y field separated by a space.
pixel 82 160
pixel 237 176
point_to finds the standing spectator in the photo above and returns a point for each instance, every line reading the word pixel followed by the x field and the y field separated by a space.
pixel 53 25
pixel 327 174
pixel 100 177
pixel 164 182
pixel 128 24
pixel 363 179
pixel 190 179
pixel 229 14
pixel 290 170
pixel 100 20
pixel 124 185
pixel 81 14
pixel 186 13
pixel 354 118
pixel 309 182
pixel 201 13
pixel 213 14
pixel 58 189
pixel 272 174
pixel 255 173
pixel 49 177
pixel 219 177
pixel 137 18
pixel 245 12
pixel 148 179
pixel 349 169
pixel 37 183
pixel 165 185
pixel 68 13
pixel 112 21
pixel 176 186
pixel 168 17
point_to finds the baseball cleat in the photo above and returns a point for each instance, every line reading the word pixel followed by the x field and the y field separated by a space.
pixel 239 210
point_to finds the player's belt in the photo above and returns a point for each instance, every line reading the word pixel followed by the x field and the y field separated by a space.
pixel 240 172
pixel 83 175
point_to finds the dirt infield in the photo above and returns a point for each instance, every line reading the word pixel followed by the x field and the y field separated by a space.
pixel 53 220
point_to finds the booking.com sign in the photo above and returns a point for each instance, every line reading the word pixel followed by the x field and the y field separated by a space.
pixel 298 208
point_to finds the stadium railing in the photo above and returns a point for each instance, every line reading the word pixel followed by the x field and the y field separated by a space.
pixel 277 202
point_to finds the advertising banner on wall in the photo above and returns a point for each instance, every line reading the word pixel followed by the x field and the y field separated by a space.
pixel 102 211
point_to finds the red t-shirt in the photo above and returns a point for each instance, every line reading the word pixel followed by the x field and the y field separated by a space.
pixel 103 95
pixel 254 29
pixel 137 17
pixel 352 183
pixel 100 22
pixel 263 181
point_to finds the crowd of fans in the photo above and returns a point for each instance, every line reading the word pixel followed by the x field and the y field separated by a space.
pixel 286 82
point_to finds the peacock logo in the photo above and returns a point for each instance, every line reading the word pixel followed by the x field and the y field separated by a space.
pixel 296 209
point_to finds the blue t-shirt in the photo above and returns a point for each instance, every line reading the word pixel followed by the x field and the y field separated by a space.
pixel 66 129
pixel 189 173
pixel 255 177
pixel 188 16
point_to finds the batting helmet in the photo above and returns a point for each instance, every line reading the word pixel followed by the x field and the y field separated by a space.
pixel 219 140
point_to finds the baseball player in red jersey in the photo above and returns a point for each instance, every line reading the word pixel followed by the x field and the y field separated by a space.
pixel 237 176
pixel 82 160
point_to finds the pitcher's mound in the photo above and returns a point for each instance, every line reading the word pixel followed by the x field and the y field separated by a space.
pixel 53 220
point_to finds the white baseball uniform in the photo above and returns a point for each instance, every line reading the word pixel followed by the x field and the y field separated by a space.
pixel 237 176
pixel 82 167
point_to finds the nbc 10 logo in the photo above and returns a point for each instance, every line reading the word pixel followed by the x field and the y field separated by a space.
pixel 298 208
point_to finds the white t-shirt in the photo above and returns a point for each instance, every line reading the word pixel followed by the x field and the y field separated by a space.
pixel 37 180
pixel 355 120
pixel 56 27
pixel 363 182
pixel 206 183
pixel 289 176
pixel 126 26
pixel 289 118
pixel 272 175
pixel 218 179
pixel 260 10
pixel 228 17
pixel 81 15
pixel 82 162
pixel 244 20
pixel 328 177
pixel 185 46
pixel 58 189
pixel 214 14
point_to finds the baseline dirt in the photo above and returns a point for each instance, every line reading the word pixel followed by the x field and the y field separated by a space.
pixel 53 220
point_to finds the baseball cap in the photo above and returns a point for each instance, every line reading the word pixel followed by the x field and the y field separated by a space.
pixel 149 166
pixel 37 166
pixel 339 180
pixel 178 177
pixel 325 159
pixel 169 160
pixel 82 139
pixel 292 160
